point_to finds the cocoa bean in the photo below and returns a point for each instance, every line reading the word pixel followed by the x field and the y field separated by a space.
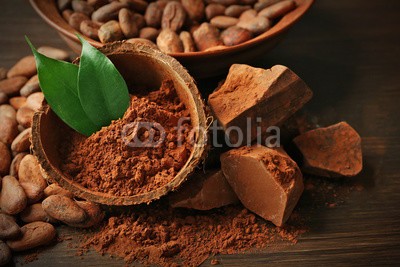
pixel 173 16
pixel 30 87
pixel 149 33
pixel 55 189
pixel 8 125
pixel 82 7
pixel 213 10
pixel 127 23
pixel 3 98
pixel 33 192
pixel 223 22
pixel 278 10
pixel 17 101
pixel 33 235
pixel 256 25
pixel 168 41
pixel 5 159
pixel 29 172
pixel 15 164
pixel 93 212
pixel 235 35
pixel 206 36
pixel 187 41
pixel 64 209
pixel 248 15
pixel 261 4
pixel 53 52
pixel 76 19
pixel 12 197
pixel 24 116
pixel 8 227
pixel 90 29
pixel 5 254
pixel 35 213
pixel 194 8
pixel 11 86
pixel 153 15
pixel 108 12
pixel 7 111
pixel 136 5
pixel 34 101
pixel 236 10
pixel 110 32
pixel 22 142
pixel 26 66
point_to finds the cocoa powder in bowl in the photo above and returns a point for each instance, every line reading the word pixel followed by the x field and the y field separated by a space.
pixel 144 69
pixel 110 161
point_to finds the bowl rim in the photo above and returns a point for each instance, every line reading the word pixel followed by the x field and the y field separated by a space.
pixel 199 149
pixel 281 26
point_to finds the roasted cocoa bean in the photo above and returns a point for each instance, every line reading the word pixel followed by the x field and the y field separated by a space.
pixel 173 16
pixel 206 36
pixel 168 42
pixel 110 32
pixel 127 23
pixel 64 209
pixel 12 197
pixel 33 235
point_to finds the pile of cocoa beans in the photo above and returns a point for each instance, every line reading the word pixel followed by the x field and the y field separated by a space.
pixel 176 26
pixel 30 205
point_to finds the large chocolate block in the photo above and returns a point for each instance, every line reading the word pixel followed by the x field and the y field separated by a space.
pixel 267 181
pixel 252 98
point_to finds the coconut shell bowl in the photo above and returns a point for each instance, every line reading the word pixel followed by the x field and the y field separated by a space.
pixel 150 68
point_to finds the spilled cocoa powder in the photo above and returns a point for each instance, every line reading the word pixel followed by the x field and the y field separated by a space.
pixel 158 234
pixel 104 162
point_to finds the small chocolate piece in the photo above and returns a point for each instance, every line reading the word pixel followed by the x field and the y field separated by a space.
pixel 255 99
pixel 267 181
pixel 332 151
pixel 204 192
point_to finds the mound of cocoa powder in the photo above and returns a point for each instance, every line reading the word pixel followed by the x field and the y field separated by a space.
pixel 104 162
pixel 160 235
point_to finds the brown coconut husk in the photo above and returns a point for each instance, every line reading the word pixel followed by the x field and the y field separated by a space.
pixel 140 65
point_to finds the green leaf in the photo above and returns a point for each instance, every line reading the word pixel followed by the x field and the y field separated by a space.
pixel 102 90
pixel 59 80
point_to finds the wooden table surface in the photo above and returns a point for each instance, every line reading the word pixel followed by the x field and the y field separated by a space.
pixel 348 52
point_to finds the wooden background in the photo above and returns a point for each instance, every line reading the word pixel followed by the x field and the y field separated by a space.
pixel 348 52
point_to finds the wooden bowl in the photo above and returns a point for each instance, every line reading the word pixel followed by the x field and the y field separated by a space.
pixel 200 64
pixel 141 66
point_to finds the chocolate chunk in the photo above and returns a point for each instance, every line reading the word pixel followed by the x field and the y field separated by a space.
pixel 257 98
pixel 204 192
pixel 332 151
pixel 267 181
